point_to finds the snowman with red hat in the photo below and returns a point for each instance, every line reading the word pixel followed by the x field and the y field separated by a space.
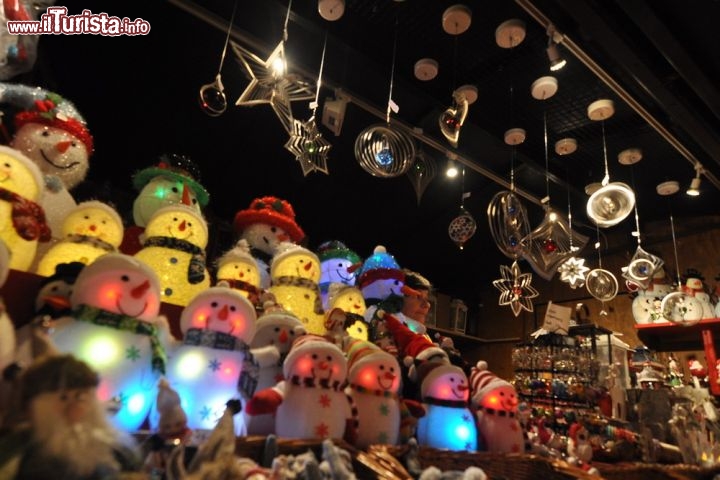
pixel 495 403
pixel 310 402
pixel 264 225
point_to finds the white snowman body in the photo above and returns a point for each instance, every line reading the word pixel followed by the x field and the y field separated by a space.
pixel 497 420
pixel 374 381
pixel 448 422
pixel 274 334
pixel 335 270
pixel 217 325
pixel 314 404
pixel 694 287
pixel 119 286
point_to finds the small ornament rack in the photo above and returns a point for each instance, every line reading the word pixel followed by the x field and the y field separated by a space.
pixel 559 370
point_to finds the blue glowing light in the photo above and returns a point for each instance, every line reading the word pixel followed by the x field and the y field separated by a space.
pixel 384 157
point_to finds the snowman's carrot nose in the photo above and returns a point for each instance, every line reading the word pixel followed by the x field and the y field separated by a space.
pixel 182 225
pixel 63 146
pixel 140 290
pixel 308 266
pixel 223 314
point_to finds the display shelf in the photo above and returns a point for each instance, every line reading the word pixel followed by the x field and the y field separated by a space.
pixel 461 338
pixel 671 337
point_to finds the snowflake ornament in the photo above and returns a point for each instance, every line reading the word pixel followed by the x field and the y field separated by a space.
pixel 308 146
pixel 271 84
pixel 515 289
pixel 462 228
pixel 573 272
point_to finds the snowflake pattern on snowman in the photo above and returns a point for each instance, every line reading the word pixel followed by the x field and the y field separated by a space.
pixel 116 328
pixel 174 248
pixel 217 325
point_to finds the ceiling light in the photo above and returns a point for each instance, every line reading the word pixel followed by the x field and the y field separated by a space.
pixel 694 189
pixel 452 170
pixel 556 60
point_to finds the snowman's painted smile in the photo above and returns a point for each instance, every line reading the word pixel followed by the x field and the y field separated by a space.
pixel 461 393
pixel 122 310
pixel 175 233
pixel 383 385
pixel 62 167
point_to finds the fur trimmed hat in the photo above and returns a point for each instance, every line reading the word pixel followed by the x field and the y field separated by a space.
pixel 272 211
pixel 337 249
pixel 288 249
pixel 360 352
pixel 379 266
pixel 482 381
pixel 303 344
pixel 54 373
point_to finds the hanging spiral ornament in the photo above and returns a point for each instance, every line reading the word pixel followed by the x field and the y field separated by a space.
pixel 383 151
pixel 462 228
pixel 509 225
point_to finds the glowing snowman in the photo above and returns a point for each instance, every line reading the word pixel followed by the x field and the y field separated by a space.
pixel 240 271
pixel 90 229
pixel 116 328
pixel 217 325
pixel 268 222
pixel 7 328
pixel 22 219
pixel 338 264
pixel 374 381
pixel 448 422
pixel 310 402
pixel 495 404
pixel 275 332
pixel 53 134
pixel 174 247
pixel 349 299
pixel 295 272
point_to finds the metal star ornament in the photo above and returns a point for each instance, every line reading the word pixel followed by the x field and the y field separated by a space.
pixel 308 146
pixel 641 268
pixel 270 83
pixel 573 272
pixel 515 289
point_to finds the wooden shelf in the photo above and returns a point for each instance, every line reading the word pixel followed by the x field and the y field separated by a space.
pixel 463 338
pixel 670 337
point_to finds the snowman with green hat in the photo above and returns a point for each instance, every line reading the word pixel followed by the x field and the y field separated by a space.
pixel 338 264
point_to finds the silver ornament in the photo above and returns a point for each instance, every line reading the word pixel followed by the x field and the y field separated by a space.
pixel 515 289
pixel 462 228
pixel 601 284
pixel 308 146
pixel 573 272
pixel 509 225
pixel 384 151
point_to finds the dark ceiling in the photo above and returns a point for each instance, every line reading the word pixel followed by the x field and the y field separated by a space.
pixel 139 96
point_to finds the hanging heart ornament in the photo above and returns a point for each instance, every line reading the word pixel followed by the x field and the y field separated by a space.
pixel 453 118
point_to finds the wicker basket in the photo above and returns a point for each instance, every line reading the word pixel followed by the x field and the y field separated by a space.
pixel 651 471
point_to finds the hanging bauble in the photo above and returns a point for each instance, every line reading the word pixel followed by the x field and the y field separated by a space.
pixel 508 223
pixel 601 284
pixel 383 151
pixel 641 268
pixel 453 118
pixel 610 204
pixel 462 228
pixel 421 173
pixel 549 244
pixel 573 272
pixel 515 289
pixel 212 98
pixel 681 308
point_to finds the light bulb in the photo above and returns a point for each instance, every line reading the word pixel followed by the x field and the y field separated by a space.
pixel 452 171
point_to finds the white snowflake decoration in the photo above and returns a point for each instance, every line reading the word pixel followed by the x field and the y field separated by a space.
pixel 573 272
pixel 515 289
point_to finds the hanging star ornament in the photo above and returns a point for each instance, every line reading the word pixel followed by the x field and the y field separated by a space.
pixel 573 272
pixel 270 83
pixel 308 146
pixel 515 289
pixel 641 268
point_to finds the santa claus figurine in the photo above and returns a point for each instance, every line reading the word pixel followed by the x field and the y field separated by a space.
pixel 69 435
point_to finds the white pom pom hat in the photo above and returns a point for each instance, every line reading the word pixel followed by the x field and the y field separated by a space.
pixel 483 381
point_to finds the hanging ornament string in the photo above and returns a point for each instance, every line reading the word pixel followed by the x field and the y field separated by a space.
pixel 547 161
pixel 314 104
pixel 287 19
pixel 636 233
pixel 570 238
pixel 391 105
pixel 227 37
pixel 462 188
pixel 677 263
pixel 598 246
pixel 606 179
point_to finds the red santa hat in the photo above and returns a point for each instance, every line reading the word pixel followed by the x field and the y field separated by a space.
pixel 413 347
pixel 360 352
pixel 482 381
pixel 271 211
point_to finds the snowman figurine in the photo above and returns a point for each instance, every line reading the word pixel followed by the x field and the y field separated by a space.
pixel 338 264
pixel 646 306
pixel 89 230
pixel 240 271
pixel 348 300
pixel 374 382
pixel 295 272
pixel 7 328
pixel 265 224
pixel 175 179
pixel 22 219
pixel 448 422
pixel 51 132
pixel 174 247
pixel 275 332
pixel 495 403
pixel 695 288
pixel 116 328
pixel 217 326
pixel 310 402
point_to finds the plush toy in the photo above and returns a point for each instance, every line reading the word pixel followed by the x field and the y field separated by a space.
pixel 695 288
pixel 310 402
pixel 51 132
pixel 350 301
pixel 495 404
pixel 338 264
pixel 265 224
pixel 116 328
pixel 217 326
pixel 448 423
pixel 89 230
pixel 70 436
pixel 172 430
pixel 175 179
pixel 7 328
pixel 22 218
pixel 240 270
pixel 295 272
pixel 275 332
pixel 579 449
pixel 174 247
pixel 374 381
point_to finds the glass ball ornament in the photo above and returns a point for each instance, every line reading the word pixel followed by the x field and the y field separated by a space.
pixel 462 228
pixel 212 98
pixel 681 308
pixel 384 152
pixel 601 284
pixel 508 223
